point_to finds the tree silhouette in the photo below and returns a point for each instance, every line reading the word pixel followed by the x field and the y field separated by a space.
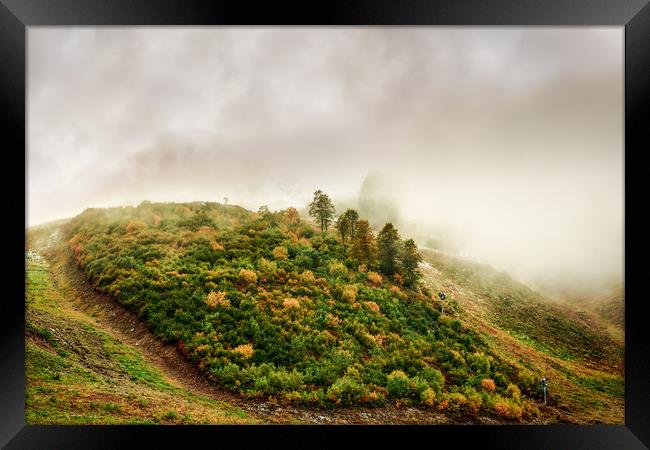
pixel 322 209
pixel 363 244
pixel 410 258
pixel 388 245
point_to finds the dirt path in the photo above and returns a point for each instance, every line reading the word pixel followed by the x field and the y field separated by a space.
pixel 127 328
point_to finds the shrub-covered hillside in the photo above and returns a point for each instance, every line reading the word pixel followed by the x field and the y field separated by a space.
pixel 267 304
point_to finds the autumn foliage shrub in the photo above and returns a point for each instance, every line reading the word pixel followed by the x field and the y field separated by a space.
pixel 374 278
pixel 291 303
pixel 507 408
pixel 346 391
pixel 280 253
pixel 457 402
pixel 488 384
pixel 428 396
pixel 215 299
pixel 349 293
pixel 248 276
pixel 246 350
pixel 513 392
pixel 267 267
pixel 474 399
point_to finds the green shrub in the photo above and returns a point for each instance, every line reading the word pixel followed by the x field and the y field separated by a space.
pixel 346 390
pixel 433 377
pixel 337 269
pixel 398 384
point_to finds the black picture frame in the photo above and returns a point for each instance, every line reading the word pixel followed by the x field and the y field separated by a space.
pixel 17 15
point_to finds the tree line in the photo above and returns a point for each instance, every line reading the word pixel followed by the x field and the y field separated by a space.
pixel 386 252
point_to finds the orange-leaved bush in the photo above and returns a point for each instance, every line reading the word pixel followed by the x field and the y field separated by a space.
pixel 372 305
pixel 215 299
pixel 488 384
pixel 291 303
pixel 374 278
pixel 246 350
pixel 507 408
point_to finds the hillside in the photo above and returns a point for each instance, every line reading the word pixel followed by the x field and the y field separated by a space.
pixel 270 311
pixel 266 306
pixel 582 357
pixel 129 375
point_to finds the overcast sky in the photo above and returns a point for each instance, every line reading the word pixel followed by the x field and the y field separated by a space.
pixel 513 137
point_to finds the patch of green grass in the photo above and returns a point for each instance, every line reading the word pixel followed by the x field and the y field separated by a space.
pixel 41 364
pixel 170 415
pixel 132 364
pixel 42 332
pixel 111 407
pixel 540 346
pixel 614 386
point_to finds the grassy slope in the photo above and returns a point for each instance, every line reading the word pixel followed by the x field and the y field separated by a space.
pixel 76 373
pixel 581 358
pixel 607 310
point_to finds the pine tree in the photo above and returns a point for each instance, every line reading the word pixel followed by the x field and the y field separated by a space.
pixel 351 216
pixel 322 209
pixel 363 244
pixel 410 258
pixel 343 227
pixel 388 245
pixel 346 224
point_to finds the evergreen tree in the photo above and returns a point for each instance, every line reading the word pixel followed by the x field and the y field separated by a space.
pixel 351 217
pixel 410 258
pixel 388 245
pixel 363 244
pixel 343 227
pixel 346 224
pixel 322 209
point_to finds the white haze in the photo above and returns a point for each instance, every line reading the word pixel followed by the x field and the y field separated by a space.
pixel 508 139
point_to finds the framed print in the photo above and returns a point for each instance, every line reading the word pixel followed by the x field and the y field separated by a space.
pixel 371 218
